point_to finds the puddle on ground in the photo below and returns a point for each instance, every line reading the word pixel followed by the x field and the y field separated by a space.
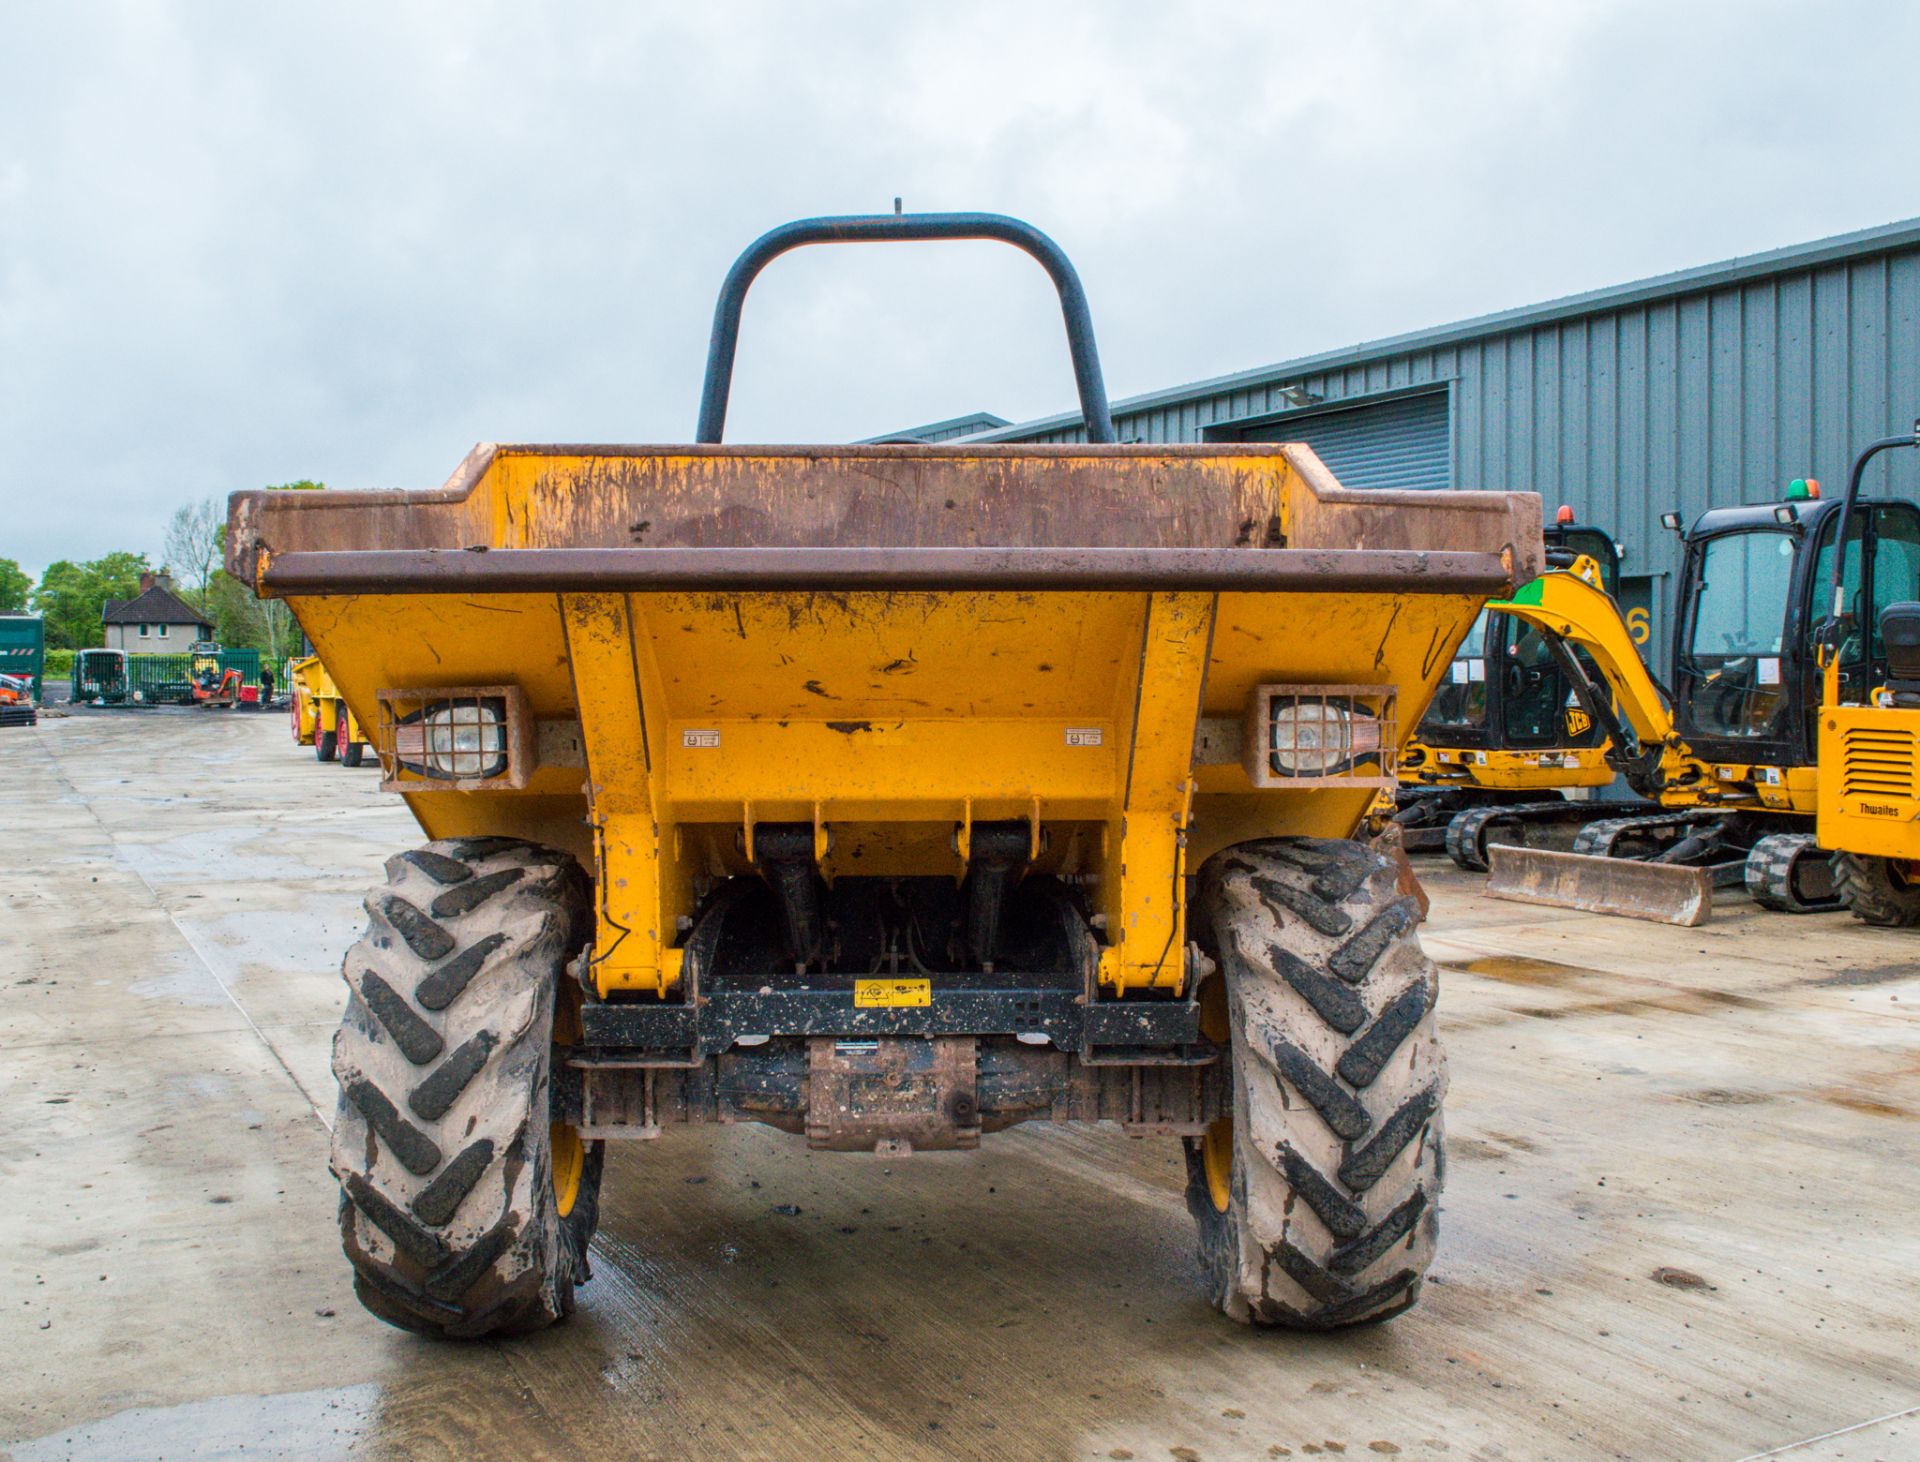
pixel 1719 1096
pixel 1854 1101
pixel 1678 1002
pixel 1493 1147
pixel 293 1424
pixel 1520 969
pixel 1868 975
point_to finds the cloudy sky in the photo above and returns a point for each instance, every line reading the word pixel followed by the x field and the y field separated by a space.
pixel 245 243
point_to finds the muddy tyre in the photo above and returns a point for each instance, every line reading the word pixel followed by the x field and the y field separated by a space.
pixel 351 753
pixel 324 744
pixel 1878 891
pixel 464 1210
pixel 1317 1203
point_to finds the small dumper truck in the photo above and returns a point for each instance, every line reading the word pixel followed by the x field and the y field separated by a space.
pixel 891 796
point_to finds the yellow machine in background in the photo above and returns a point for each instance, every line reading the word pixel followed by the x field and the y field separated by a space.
pixel 1505 739
pixel 211 681
pixel 303 710
pixel 320 714
pixel 1720 823
pixel 1869 802
pixel 890 796
pixel 1753 740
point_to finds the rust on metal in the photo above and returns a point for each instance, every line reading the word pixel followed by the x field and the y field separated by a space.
pixel 909 1093
pixel 1663 893
pixel 666 570
pixel 1007 1082
pixel 1248 496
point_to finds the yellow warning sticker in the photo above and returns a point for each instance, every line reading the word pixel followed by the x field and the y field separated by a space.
pixel 891 994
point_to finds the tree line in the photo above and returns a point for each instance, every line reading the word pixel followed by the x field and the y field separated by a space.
pixel 72 596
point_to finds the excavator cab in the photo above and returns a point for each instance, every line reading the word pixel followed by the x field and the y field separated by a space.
pixel 1505 730
pixel 1504 689
pixel 1753 593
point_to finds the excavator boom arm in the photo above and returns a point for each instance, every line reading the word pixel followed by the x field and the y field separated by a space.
pixel 1582 614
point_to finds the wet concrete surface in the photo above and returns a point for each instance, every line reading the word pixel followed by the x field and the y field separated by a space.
pixel 1680 1220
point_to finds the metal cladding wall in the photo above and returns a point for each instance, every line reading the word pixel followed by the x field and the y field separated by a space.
pixel 1402 441
pixel 1701 389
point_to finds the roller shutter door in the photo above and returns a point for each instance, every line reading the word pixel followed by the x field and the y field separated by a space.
pixel 1397 443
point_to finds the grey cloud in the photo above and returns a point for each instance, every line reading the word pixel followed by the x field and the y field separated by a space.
pixel 242 243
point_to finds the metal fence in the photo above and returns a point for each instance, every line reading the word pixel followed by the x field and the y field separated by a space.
pixel 167 680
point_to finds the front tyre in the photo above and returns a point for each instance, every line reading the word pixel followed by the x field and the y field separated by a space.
pixel 324 744
pixel 465 1207
pixel 1317 1201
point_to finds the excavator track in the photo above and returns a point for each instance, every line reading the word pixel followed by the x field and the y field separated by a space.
pixel 1658 838
pixel 1469 833
pixel 1791 873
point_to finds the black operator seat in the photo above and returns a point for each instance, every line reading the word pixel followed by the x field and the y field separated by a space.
pixel 1900 633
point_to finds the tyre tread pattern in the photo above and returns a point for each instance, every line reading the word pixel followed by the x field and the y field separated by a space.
pixel 1335 1002
pixel 441 1147
pixel 1337 1129
pixel 1872 893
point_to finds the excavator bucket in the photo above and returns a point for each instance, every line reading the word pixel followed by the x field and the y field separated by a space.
pixel 1665 893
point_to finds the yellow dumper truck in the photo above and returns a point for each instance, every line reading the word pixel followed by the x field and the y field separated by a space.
pixel 890 796
pixel 321 718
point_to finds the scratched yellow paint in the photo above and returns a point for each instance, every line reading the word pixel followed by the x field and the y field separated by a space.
pixel 890 721
pixel 1510 770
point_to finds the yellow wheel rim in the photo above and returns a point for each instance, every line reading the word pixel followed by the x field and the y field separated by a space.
pixel 569 1153
pixel 1216 1159
pixel 569 1161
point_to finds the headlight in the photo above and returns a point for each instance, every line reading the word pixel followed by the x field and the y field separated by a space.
pixel 1319 738
pixel 454 741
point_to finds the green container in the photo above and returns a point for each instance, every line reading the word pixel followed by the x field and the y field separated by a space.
pixel 23 648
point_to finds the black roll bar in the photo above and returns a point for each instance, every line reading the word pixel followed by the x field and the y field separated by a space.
pixel 893 227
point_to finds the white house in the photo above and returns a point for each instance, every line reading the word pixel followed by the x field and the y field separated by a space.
pixel 154 621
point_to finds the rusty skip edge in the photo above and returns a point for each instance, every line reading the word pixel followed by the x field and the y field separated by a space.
pixel 668 570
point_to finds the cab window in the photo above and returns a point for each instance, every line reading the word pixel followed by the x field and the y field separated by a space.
pixel 1461 700
pixel 1735 629
pixel 1896 565
pixel 1598 547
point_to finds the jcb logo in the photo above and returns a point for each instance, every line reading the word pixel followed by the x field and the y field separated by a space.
pixel 1578 721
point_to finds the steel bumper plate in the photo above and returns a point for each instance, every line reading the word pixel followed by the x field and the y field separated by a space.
pixel 721 1017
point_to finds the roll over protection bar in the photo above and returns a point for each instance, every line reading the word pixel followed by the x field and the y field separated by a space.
pixel 898 227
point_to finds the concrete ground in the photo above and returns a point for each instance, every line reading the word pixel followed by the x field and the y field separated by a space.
pixel 1682 1217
